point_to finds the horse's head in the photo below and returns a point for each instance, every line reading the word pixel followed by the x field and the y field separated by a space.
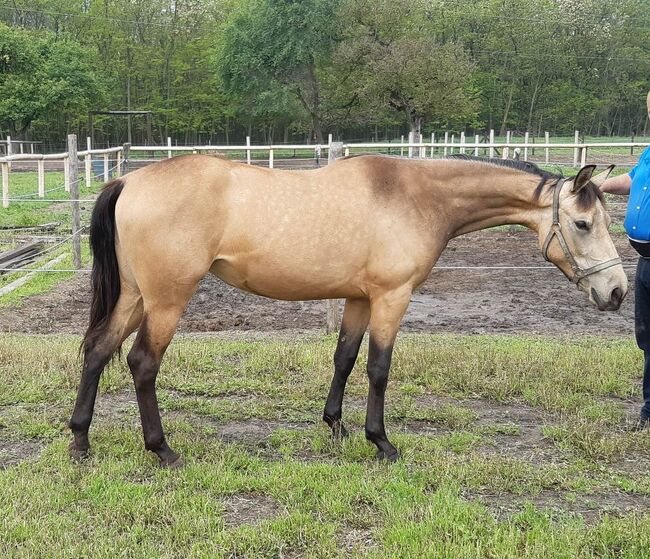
pixel 574 236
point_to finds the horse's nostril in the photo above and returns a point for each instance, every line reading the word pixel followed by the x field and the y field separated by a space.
pixel 617 296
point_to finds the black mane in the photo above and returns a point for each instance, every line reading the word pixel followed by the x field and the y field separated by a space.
pixel 586 197
pixel 517 164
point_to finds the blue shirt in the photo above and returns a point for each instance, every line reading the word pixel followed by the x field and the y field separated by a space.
pixel 637 217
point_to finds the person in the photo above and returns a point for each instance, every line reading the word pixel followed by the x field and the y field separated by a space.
pixel 636 184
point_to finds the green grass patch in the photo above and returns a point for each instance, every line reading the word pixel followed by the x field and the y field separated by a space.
pixel 309 496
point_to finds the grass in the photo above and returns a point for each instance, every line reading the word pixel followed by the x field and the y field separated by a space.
pixel 28 213
pixel 469 484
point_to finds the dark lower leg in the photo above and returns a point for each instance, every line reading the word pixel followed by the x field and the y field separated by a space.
pixel 379 359
pixel 347 350
pixel 144 362
pixel 82 415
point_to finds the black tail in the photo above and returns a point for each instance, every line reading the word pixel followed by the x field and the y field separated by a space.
pixel 105 278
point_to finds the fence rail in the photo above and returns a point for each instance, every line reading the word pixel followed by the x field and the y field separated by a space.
pixel 414 147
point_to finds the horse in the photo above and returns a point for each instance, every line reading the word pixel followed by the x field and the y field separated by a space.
pixel 367 229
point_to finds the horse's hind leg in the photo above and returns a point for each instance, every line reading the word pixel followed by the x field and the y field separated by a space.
pixel 154 335
pixel 353 326
pixel 124 320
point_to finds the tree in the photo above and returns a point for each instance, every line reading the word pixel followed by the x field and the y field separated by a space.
pixel 405 67
pixel 41 78
pixel 271 44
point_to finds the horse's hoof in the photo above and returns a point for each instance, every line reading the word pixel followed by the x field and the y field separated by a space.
pixel 339 431
pixel 78 454
pixel 382 456
pixel 174 464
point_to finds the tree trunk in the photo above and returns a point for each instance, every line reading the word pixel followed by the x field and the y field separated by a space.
pixel 532 106
pixel 504 122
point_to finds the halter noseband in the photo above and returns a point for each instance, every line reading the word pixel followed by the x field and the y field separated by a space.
pixel 556 231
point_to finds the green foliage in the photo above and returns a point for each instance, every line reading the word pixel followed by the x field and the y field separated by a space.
pixel 42 75
pixel 222 69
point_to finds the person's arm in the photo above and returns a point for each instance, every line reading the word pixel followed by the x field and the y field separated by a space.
pixel 617 185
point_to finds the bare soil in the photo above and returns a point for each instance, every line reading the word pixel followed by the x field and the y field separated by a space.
pixel 451 300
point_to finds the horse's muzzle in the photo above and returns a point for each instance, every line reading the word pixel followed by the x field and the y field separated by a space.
pixel 615 299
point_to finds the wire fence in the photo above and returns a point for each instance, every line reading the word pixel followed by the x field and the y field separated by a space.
pixel 59 240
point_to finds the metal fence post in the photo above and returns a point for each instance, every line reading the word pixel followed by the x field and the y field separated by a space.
pixel 335 151
pixel 74 200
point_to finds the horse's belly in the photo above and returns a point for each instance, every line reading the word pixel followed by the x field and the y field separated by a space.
pixel 291 281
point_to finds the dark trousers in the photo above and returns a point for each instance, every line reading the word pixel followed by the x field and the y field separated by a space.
pixel 642 324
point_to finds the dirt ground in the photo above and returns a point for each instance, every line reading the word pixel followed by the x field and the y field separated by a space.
pixel 453 301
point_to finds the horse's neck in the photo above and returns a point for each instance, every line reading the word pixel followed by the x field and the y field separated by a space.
pixel 487 196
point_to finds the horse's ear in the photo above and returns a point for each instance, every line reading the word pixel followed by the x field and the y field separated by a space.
pixel 601 177
pixel 583 177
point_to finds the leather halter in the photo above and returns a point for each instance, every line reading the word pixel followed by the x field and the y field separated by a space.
pixel 556 232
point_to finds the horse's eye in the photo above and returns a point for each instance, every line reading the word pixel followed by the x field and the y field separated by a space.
pixel 582 225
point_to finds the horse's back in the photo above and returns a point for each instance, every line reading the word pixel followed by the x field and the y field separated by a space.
pixel 283 234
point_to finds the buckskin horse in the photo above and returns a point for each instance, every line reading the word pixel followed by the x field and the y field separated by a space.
pixel 368 229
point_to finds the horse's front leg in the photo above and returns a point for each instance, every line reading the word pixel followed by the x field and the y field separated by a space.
pixel 386 312
pixel 353 326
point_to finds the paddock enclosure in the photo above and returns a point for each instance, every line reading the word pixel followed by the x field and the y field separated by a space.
pixel 510 398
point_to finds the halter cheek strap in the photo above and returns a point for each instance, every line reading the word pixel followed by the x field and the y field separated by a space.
pixel 556 232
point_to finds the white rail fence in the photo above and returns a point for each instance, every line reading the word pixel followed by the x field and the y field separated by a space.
pixel 412 147
pixel 116 160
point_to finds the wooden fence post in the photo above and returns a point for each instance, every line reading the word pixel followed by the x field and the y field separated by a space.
pixel 477 140
pixel 169 145
pixel 332 325
pixel 88 162
pixel 492 142
pixel 576 139
pixel 106 171
pixel 462 142
pixel 5 184
pixel 126 150
pixel 248 151
pixel 74 200
pixel 444 149
pixel 546 152
pixel 41 178
pixel 526 139
pixel 433 141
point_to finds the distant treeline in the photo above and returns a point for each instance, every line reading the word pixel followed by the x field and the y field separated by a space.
pixel 287 70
